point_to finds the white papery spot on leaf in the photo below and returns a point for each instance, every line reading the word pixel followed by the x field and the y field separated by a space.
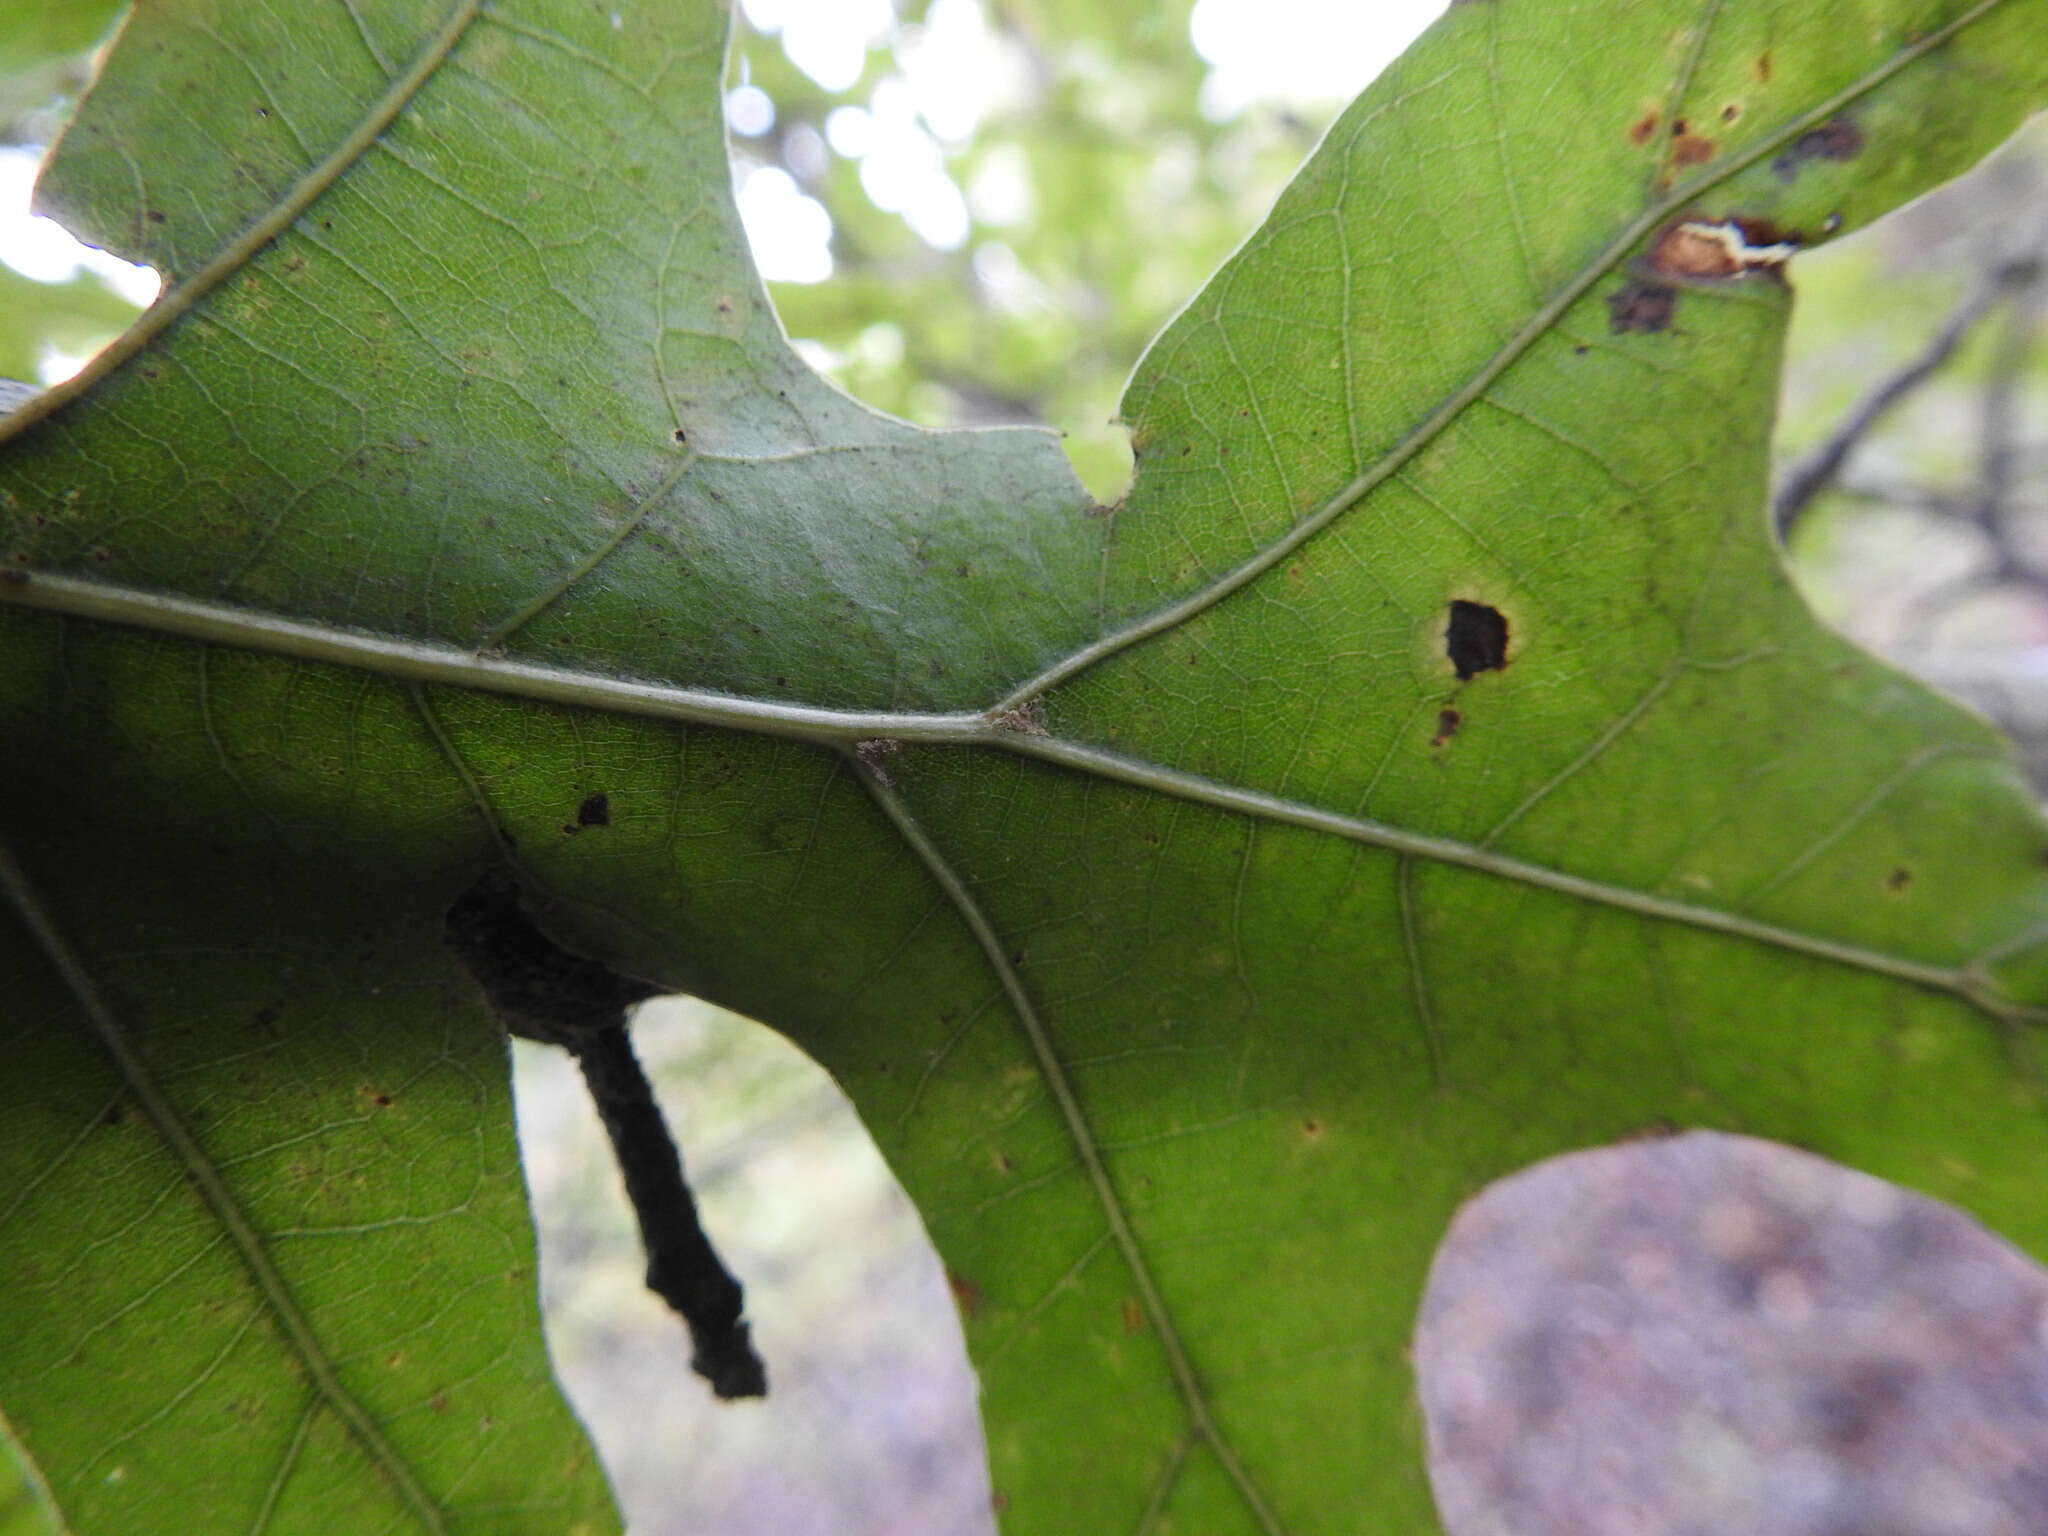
pixel 1713 1333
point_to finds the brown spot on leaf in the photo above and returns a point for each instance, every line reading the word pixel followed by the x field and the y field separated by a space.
pixel 1640 306
pixel 1312 1129
pixel 1731 112
pixel 1837 139
pixel 1898 879
pixel 1763 66
pixel 1133 1315
pixel 1643 129
pixel 1447 723
pixel 1475 639
pixel 1691 149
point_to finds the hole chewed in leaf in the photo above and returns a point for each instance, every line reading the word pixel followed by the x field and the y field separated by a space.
pixel 540 991
pixel 1710 1332
pixel 1475 639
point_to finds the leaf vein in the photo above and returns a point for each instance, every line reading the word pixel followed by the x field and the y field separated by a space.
pixel 206 1177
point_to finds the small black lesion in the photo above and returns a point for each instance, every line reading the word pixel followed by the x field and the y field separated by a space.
pixel 1475 639
pixel 542 991
pixel 1641 305
pixel 595 811
pixel 1837 139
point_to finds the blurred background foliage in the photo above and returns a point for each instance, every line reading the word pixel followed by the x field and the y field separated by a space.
pixel 980 211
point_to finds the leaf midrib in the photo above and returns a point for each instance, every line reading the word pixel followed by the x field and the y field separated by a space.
pixel 996 728
pixel 423 663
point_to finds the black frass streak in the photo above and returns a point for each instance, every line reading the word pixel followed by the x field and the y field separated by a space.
pixel 541 992
pixel 538 990
pixel 682 1267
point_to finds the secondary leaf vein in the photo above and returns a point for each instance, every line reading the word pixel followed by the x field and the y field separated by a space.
pixel 213 1189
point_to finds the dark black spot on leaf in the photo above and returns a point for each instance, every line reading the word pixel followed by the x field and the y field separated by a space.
pixel 1898 879
pixel 1641 306
pixel 1447 723
pixel 1475 639
pixel 682 436
pixel 595 811
pixel 1837 139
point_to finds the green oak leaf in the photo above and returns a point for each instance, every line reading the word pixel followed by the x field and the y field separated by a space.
pixel 1425 768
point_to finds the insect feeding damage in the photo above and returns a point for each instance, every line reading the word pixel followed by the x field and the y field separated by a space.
pixel 540 991
pixel 1706 251
pixel 1697 251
